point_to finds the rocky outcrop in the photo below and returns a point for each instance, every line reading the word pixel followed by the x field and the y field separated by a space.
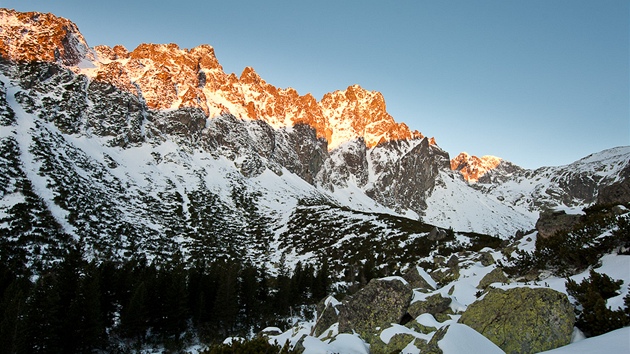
pixel 417 281
pixel 495 276
pixel 34 36
pixel 523 320
pixel 169 77
pixel 433 305
pixel 551 222
pixel 473 167
pixel 327 315
pixel 379 304
pixel 406 173
pixel 616 193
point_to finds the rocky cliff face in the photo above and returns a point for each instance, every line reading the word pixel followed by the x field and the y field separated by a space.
pixel 473 167
pixel 346 144
pixel 33 36
pixel 168 77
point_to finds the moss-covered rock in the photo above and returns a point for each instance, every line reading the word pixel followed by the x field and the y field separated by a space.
pixel 420 328
pixel 486 259
pixel 433 304
pixel 495 276
pixel 378 305
pixel 444 276
pixel 522 320
pixel 395 345
pixel 327 315
pixel 416 281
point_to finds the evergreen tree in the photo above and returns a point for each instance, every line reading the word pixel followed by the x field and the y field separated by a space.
pixel 226 302
pixel 12 311
pixel 134 317
pixel 44 320
pixel 248 295
pixel 322 281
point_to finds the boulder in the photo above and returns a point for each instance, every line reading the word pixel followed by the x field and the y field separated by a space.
pixel 327 315
pixel 486 259
pixel 495 276
pixel 437 234
pixel 522 320
pixel 417 281
pixel 433 304
pixel 396 343
pixel 379 304
pixel 551 222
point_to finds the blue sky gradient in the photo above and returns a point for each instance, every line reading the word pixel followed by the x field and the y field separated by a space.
pixel 537 82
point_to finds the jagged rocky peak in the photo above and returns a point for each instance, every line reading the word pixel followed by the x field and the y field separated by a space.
pixel 30 36
pixel 357 112
pixel 168 77
pixel 472 167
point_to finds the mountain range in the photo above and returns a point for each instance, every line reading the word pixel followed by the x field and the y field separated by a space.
pixel 125 148
pixel 127 173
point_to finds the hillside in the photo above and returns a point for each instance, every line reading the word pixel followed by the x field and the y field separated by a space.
pixel 128 171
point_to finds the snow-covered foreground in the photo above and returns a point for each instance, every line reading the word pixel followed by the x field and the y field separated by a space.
pixel 460 338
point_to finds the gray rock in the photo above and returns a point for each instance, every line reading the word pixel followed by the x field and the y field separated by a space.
pixel 416 281
pixel 522 320
pixel 495 276
pixel 551 222
pixel 433 304
pixel 327 315
pixel 379 304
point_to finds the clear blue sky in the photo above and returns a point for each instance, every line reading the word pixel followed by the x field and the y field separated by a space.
pixel 536 82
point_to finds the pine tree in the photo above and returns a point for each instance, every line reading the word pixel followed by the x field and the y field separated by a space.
pixel 12 312
pixel 134 317
pixel 43 322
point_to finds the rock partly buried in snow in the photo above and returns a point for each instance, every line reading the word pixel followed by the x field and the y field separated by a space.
pixel 522 320
pixel 419 281
pixel 433 304
pixel 551 222
pixel 379 304
pixel 327 315
pixel 495 276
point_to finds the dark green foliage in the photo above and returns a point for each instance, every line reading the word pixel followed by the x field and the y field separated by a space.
pixel 79 306
pixel 571 251
pixel 593 316
pixel 254 346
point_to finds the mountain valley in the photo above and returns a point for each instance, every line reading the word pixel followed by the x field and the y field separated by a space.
pixel 156 156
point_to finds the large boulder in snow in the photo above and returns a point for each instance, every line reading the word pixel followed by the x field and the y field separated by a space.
pixel 379 304
pixel 495 276
pixel 433 304
pixel 419 279
pixel 551 222
pixel 522 320
pixel 327 315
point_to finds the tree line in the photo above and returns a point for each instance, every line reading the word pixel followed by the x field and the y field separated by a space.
pixel 79 306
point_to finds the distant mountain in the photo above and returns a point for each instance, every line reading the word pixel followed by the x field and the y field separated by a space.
pixel 159 150
pixel 150 200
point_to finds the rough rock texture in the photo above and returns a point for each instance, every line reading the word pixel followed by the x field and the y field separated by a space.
pixel 433 304
pixel 168 77
pixel 327 315
pixel 410 177
pixel 473 167
pixel 616 193
pixel 379 304
pixel 523 320
pixel 553 221
pixel 495 276
pixel 486 259
pixel 416 281
pixel 396 343
pixel 34 36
